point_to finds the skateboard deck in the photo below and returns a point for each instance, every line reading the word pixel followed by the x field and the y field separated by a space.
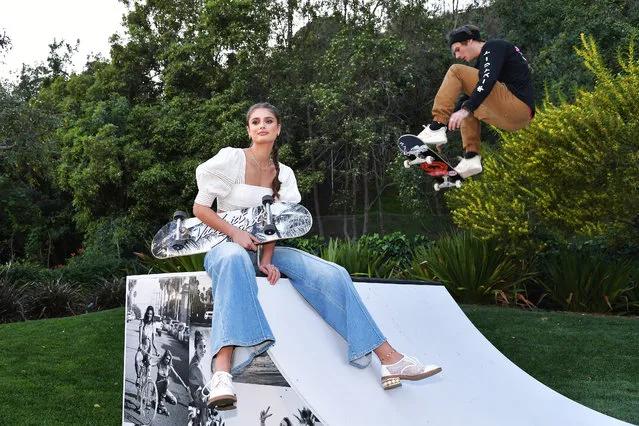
pixel 268 222
pixel 431 162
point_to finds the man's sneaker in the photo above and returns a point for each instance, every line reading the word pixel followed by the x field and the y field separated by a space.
pixel 407 368
pixel 469 166
pixel 221 393
pixel 433 137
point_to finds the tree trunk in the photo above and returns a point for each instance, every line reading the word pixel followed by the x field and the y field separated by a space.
pixel 366 198
pixel 354 206
pixel 316 203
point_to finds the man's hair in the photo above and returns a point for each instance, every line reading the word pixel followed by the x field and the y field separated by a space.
pixel 464 33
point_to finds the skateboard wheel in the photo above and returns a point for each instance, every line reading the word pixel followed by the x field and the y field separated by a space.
pixel 179 215
pixel 436 186
pixel 429 160
pixel 270 229
pixel 267 199
pixel 407 164
pixel 458 184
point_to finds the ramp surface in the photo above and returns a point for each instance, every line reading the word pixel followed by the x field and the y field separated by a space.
pixel 478 385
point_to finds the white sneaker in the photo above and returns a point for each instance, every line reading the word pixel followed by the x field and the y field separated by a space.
pixel 407 368
pixel 469 167
pixel 221 393
pixel 433 137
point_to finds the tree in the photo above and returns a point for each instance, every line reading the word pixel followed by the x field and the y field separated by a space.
pixel 35 218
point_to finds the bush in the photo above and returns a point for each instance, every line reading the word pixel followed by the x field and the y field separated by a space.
pixel 23 273
pixel 580 279
pixel 14 300
pixel 473 270
pixel 312 245
pixel 359 259
pixel 107 294
pixel 92 266
pixel 191 263
pixel 55 298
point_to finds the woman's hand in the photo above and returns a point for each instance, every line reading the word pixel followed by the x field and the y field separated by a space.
pixel 245 239
pixel 271 272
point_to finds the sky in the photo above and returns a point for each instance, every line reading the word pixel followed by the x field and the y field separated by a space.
pixel 33 24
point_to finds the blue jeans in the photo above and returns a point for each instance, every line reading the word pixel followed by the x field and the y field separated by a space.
pixel 238 319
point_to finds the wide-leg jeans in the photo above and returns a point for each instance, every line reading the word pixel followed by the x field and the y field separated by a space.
pixel 238 318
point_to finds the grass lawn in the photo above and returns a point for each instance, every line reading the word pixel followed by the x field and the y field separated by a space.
pixel 68 371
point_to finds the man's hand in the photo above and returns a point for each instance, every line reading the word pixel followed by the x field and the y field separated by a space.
pixel 456 119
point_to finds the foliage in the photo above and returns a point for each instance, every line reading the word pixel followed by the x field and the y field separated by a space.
pixel 191 263
pixel 107 294
pixel 92 266
pixel 548 32
pixel 396 246
pixel 312 245
pixel 473 270
pixel 101 159
pixel 14 300
pixel 583 280
pixel 23 273
pixel 55 298
pixel 573 171
pixel 358 258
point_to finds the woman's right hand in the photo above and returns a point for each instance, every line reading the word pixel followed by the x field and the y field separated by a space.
pixel 245 239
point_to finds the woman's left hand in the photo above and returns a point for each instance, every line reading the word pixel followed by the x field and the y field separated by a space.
pixel 271 272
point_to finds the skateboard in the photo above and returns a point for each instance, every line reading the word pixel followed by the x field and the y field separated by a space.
pixel 271 221
pixel 431 162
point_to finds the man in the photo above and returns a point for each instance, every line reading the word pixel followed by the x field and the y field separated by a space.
pixel 497 91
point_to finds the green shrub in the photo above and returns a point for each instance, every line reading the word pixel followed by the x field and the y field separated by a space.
pixel 473 270
pixel 14 300
pixel 359 259
pixel 579 279
pixel 107 294
pixel 22 273
pixel 312 245
pixel 55 298
pixel 92 266
pixel 191 263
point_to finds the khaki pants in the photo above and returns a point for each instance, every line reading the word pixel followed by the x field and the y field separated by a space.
pixel 501 108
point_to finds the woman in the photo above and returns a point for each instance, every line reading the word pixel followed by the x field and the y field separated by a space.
pixel 239 178
pixel 146 341
pixel 197 376
pixel 165 368
pixel 199 414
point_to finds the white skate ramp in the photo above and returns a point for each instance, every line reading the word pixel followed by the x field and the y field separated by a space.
pixel 478 385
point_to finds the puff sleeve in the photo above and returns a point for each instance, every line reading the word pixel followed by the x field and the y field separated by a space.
pixel 288 191
pixel 216 176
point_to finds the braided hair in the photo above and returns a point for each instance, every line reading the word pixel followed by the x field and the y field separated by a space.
pixel 275 184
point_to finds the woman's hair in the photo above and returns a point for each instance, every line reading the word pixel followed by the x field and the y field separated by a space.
pixel 167 353
pixel 146 311
pixel 286 421
pixel 276 184
pixel 198 338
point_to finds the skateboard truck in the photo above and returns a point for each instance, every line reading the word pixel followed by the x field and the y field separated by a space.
pixel 447 183
pixel 417 152
pixel 179 238
pixel 269 227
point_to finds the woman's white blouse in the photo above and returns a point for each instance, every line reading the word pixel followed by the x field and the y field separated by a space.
pixel 222 177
